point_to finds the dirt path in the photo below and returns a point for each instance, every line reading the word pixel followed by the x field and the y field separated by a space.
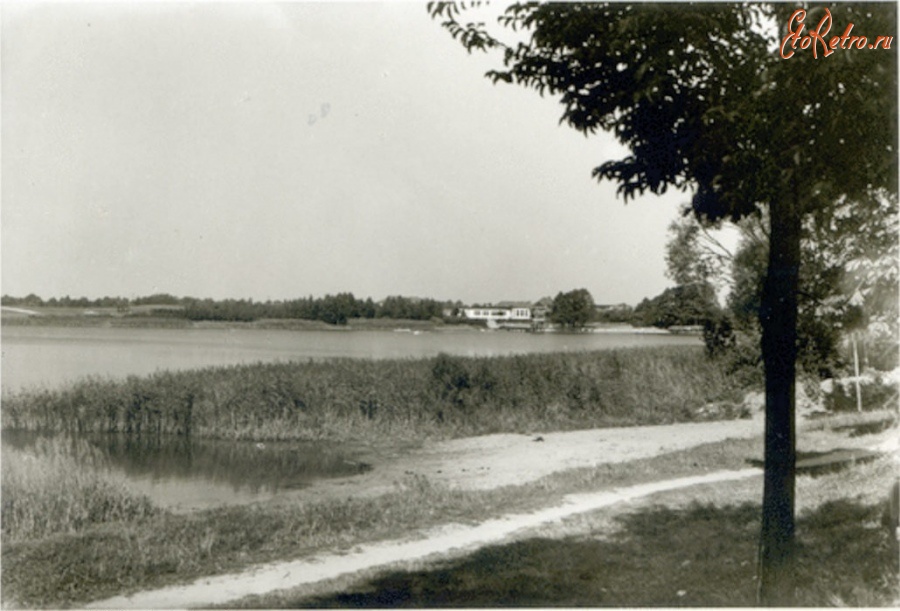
pixel 433 543
pixel 474 463
pixel 492 461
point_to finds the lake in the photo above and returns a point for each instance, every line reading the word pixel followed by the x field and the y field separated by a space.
pixel 191 474
pixel 49 357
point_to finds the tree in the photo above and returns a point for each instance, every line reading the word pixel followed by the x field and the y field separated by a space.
pixel 368 308
pixel 847 283
pixel 691 304
pixel 748 271
pixel 157 299
pixel 724 100
pixel 693 255
pixel 573 309
pixel 337 309
pixel 397 306
pixel 859 262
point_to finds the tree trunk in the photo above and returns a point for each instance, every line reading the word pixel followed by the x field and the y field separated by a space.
pixel 778 318
pixel 856 372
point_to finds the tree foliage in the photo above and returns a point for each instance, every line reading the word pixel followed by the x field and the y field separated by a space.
pixel 686 305
pixel 847 283
pixel 702 99
pixel 573 309
pixel 405 307
pixel 693 255
pixel 332 309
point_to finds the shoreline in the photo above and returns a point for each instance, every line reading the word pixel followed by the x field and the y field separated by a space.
pixel 28 318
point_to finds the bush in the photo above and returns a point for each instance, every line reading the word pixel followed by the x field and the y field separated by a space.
pixel 718 335
pixel 876 394
pixel 737 351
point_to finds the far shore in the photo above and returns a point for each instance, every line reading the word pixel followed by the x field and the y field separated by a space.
pixel 109 318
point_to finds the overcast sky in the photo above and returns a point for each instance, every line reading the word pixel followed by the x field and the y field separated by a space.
pixel 263 151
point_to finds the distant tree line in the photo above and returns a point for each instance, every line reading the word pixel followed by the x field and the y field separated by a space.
pixel 33 301
pixel 332 309
pixel 572 309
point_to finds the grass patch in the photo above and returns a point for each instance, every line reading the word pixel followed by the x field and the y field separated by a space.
pixel 117 557
pixel 689 547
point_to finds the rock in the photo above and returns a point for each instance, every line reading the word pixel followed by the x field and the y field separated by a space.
pixel 754 402
pixel 805 404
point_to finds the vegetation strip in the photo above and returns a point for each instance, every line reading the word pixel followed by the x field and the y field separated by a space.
pixel 353 399
pixel 260 580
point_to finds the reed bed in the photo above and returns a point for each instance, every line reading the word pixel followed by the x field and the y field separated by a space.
pixel 62 486
pixel 344 399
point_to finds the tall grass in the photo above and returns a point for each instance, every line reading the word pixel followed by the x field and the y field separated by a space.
pixel 170 548
pixel 444 396
pixel 61 486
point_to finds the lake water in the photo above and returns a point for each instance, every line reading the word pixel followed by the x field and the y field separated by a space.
pixel 189 474
pixel 53 356
pixel 195 474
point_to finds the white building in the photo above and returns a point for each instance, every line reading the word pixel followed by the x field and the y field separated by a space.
pixel 497 314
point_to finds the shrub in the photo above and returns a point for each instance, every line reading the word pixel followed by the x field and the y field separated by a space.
pixel 875 394
pixel 737 351
pixel 718 335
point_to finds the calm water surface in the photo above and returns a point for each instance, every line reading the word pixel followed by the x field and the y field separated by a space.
pixel 189 474
pixel 53 356
pixel 196 474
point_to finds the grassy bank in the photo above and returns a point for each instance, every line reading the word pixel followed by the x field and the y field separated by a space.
pixel 97 560
pixel 61 486
pixel 411 399
pixel 59 317
pixel 104 559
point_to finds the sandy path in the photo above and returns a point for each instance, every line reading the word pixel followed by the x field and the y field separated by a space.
pixel 473 463
pixel 491 461
pixel 268 578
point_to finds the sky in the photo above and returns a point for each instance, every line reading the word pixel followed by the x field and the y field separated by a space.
pixel 276 151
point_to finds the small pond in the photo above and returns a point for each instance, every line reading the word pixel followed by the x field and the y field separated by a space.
pixel 184 474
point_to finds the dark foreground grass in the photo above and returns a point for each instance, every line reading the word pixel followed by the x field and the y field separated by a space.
pixel 670 552
pixel 700 556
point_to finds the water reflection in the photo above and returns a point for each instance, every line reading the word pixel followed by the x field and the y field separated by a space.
pixel 186 474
